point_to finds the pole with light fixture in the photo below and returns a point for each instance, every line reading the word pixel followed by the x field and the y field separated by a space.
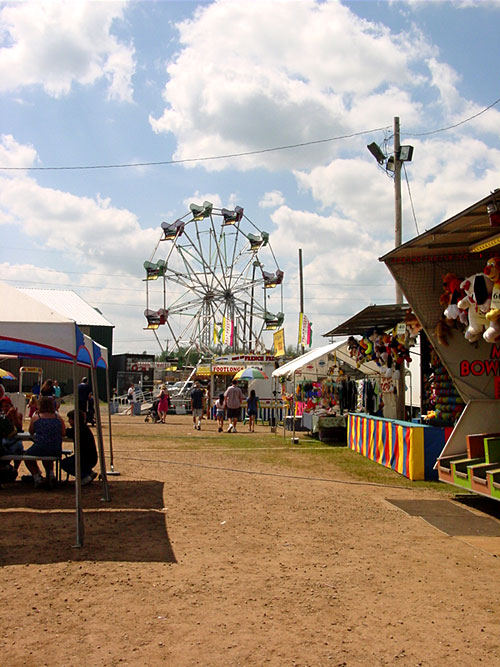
pixel 393 163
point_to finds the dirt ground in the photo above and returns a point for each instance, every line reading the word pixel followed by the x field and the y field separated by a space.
pixel 219 550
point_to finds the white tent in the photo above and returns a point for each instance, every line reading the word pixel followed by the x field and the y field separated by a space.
pixel 315 362
pixel 30 329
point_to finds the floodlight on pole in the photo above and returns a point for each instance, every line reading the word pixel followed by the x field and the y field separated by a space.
pixel 377 153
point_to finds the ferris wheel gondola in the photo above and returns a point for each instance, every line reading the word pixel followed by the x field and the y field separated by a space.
pixel 212 290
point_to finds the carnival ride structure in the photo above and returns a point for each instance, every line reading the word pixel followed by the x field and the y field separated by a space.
pixel 218 287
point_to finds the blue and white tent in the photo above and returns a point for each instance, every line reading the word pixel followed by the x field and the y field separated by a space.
pixel 30 329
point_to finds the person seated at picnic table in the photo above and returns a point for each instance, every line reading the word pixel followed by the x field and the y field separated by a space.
pixel 48 430
pixel 88 451
pixel 9 422
pixel 12 413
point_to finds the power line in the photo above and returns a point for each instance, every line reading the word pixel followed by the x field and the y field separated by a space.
pixel 247 153
pixel 451 127
pixel 411 199
pixel 197 159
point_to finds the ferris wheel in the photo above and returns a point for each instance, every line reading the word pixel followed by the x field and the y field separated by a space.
pixel 219 287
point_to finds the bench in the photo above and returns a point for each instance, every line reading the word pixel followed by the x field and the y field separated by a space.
pixel 27 457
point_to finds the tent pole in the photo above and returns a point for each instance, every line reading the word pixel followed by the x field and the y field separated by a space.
pixel 111 470
pixel 80 529
pixel 100 441
pixel 294 439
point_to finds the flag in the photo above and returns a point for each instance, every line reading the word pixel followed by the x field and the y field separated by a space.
pixel 217 333
pixel 305 331
pixel 279 343
pixel 227 331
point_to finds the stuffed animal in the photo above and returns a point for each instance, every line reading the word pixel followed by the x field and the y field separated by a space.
pixel 492 270
pixel 476 301
pixel 451 296
pixel 442 331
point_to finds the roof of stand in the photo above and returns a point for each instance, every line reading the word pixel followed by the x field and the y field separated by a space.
pixel 461 233
pixel 383 317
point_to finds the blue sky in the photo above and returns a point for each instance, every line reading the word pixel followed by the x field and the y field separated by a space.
pixel 110 83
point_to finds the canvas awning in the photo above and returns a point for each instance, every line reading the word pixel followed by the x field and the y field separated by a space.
pixel 382 317
pixel 316 362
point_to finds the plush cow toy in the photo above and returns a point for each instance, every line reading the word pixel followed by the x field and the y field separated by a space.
pixel 477 288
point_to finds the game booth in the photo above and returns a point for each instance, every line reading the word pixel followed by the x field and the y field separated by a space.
pixel 385 336
pixel 450 276
pixel 320 387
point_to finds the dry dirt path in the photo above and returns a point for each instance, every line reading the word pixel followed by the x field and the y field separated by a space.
pixel 215 556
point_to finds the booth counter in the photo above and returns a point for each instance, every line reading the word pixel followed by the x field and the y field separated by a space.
pixel 408 448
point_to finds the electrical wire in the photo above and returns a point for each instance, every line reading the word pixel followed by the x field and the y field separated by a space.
pixel 259 473
pixel 255 152
pixel 411 199
pixel 451 127
pixel 198 159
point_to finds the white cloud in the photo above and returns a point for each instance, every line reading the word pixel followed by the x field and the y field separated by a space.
pixel 91 228
pixel 272 199
pixel 324 73
pixel 58 44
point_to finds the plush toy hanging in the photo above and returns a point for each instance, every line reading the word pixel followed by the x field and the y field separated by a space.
pixel 476 302
pixel 452 293
pixel 492 270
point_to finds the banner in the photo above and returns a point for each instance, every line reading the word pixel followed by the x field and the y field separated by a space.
pixel 279 343
pixel 227 331
pixel 217 333
pixel 305 331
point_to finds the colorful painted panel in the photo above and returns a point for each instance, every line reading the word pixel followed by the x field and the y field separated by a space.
pixel 409 449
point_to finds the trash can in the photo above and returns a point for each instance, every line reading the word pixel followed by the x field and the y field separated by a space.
pixel 137 408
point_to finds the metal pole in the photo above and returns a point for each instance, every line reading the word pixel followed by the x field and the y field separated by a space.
pixel 397 198
pixel 112 470
pixel 100 441
pixel 301 291
pixel 80 530
pixel 250 333
pixel 400 398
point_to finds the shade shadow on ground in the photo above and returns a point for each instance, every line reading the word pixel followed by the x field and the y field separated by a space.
pixel 450 517
pixel 124 494
pixel 40 526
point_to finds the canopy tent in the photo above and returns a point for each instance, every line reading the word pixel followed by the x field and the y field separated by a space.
pixel 315 362
pixel 30 329
pixel 382 317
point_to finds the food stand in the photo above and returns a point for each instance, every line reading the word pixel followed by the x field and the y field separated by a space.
pixel 442 275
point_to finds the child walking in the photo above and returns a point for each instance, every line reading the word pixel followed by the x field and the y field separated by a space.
pixel 220 410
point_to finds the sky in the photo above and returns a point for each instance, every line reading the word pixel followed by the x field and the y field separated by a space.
pixel 159 84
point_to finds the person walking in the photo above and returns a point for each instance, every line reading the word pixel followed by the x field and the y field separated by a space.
pixel 197 401
pixel 163 404
pixel 57 394
pixel 233 398
pixel 220 409
pixel 252 410
pixel 132 399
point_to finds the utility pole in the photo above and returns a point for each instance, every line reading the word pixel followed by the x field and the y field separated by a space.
pixel 397 198
pixel 301 288
pixel 401 388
